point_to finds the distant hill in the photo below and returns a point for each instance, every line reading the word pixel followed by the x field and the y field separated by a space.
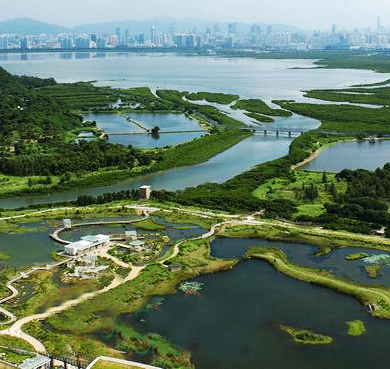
pixel 162 24
pixel 30 27
pixel 182 25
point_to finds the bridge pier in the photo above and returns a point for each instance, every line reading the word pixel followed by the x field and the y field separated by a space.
pixel 289 133
pixel 265 132
pixel 277 133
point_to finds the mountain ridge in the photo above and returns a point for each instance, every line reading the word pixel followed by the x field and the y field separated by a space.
pixel 31 26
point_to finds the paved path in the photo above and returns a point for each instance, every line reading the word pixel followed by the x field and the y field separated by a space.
pixel 16 329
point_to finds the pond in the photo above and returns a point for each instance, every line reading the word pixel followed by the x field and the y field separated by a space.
pixel 117 123
pixel 351 155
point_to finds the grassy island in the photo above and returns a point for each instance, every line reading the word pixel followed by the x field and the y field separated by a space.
pixel 358 256
pixel 259 106
pixel 306 337
pixel 218 98
pixel 373 270
pixel 356 327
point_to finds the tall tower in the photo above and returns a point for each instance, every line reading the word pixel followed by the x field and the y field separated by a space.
pixel 153 35
pixel 378 25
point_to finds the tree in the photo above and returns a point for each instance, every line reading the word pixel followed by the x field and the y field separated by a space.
pixel 324 178
pixel 30 182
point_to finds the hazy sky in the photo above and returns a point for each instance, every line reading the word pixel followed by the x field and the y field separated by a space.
pixel 306 14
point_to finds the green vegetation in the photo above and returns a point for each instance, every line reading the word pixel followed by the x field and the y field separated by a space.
pixel 373 270
pixel 201 149
pixel 358 256
pixel 260 118
pixel 346 119
pixel 375 96
pixel 213 97
pixel 259 106
pixel 356 327
pixel 13 356
pixel 149 225
pixel 366 294
pixel 87 320
pixel 306 337
pixel 4 256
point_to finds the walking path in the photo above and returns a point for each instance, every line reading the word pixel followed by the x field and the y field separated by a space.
pixel 55 235
pixel 16 329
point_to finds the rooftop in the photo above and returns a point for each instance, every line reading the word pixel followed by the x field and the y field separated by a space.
pixel 96 238
pixel 36 362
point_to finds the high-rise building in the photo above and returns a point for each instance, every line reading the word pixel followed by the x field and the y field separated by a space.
pixel 153 34
pixel 3 42
pixel 82 42
pixel 24 43
pixel 66 43
pixel 190 43
pixel 172 29
pixel 334 29
pixel 94 37
pixel 101 43
pixel 113 40
pixel 378 25
pixel 118 33
pixel 141 39
pixel 232 28
pixel 127 37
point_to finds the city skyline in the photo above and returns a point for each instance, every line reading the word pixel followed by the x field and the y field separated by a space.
pixel 319 14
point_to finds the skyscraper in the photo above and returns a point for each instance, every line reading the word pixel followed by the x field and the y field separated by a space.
pixel 232 28
pixel 3 42
pixel 153 37
pixel 118 33
pixel 378 25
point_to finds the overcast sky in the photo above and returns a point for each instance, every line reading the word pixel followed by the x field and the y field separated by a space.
pixel 306 14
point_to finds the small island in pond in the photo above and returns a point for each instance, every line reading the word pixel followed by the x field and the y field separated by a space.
pixel 358 256
pixel 306 337
pixel 356 328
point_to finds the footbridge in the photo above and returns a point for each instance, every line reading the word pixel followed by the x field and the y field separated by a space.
pixel 277 130
pixel 125 133
pixel 139 124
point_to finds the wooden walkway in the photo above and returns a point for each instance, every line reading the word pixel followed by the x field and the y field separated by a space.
pixel 55 235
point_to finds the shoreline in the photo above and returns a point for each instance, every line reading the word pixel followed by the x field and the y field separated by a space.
pixel 316 153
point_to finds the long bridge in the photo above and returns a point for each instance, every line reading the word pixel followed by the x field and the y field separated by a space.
pixel 277 130
pixel 124 133
pixel 139 124
pixel 291 130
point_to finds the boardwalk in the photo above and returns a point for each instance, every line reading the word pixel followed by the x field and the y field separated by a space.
pixel 55 235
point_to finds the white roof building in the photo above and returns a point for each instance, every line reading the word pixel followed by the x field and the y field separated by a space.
pixel 86 243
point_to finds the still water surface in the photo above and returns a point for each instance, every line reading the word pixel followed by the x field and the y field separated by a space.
pixel 351 155
pixel 234 321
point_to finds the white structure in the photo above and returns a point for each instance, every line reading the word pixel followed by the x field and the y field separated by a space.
pixel 37 362
pixel 86 243
pixel 67 223
pixel 145 192
pixel 132 235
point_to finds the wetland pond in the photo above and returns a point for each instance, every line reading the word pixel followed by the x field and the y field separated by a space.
pixel 351 155
pixel 116 123
pixel 234 320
